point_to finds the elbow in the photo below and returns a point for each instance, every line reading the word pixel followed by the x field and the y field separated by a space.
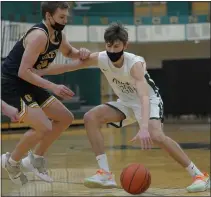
pixel 74 55
pixel 69 54
pixel 22 73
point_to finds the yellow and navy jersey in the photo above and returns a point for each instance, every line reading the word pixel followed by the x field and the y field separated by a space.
pixel 12 62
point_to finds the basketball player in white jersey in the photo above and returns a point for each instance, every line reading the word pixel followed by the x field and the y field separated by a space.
pixel 139 101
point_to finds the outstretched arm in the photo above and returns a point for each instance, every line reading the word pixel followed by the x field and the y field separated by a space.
pixel 69 51
pixel 56 69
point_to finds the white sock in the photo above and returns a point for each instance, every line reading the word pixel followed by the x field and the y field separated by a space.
pixel 37 156
pixel 102 162
pixel 13 162
pixel 193 170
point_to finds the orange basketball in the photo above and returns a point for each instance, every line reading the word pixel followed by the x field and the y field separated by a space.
pixel 135 178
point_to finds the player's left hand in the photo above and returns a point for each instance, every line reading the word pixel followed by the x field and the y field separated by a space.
pixel 143 137
pixel 12 113
pixel 84 53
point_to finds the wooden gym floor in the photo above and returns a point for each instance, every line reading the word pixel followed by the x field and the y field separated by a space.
pixel 70 159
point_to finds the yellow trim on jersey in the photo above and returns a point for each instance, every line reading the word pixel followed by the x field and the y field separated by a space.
pixel 46 48
pixel 34 105
pixel 50 100
pixel 23 110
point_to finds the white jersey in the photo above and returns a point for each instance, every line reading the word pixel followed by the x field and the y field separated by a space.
pixel 120 79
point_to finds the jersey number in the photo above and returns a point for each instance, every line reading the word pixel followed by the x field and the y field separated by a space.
pixel 28 97
pixel 42 64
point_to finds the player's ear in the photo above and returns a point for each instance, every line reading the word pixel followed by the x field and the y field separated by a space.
pixel 126 45
pixel 47 15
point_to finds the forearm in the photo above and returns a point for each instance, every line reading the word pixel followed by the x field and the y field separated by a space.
pixel 36 80
pixel 145 104
pixel 56 69
pixel 53 69
pixel 73 54
pixel 145 110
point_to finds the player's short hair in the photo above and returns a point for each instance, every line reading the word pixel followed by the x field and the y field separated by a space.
pixel 51 6
pixel 116 31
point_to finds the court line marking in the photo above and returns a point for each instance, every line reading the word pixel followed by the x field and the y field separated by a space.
pixel 151 191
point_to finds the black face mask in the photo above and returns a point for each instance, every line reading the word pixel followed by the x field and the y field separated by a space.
pixel 57 26
pixel 114 57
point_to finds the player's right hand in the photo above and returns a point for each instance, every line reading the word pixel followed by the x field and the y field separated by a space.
pixel 63 92
pixel 84 53
pixel 143 137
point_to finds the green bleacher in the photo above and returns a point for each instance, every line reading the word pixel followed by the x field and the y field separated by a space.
pixel 104 13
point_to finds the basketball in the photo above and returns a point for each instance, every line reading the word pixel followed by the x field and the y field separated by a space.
pixel 135 178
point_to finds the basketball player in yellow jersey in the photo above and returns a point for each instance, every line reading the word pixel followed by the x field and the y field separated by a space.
pixel 139 101
pixel 27 92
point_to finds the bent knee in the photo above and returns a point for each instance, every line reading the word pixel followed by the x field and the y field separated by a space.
pixel 158 138
pixel 89 117
pixel 93 117
pixel 43 129
pixel 157 135
pixel 47 127
pixel 66 118
pixel 156 132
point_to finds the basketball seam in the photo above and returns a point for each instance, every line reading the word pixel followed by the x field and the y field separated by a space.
pixel 133 176
pixel 146 182
pixel 144 178
pixel 122 177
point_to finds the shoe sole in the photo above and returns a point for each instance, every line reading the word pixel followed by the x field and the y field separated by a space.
pixel 202 190
pixel 195 191
pixel 26 165
pixel 90 184
pixel 3 163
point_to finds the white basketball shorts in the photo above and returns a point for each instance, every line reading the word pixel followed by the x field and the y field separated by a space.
pixel 132 111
